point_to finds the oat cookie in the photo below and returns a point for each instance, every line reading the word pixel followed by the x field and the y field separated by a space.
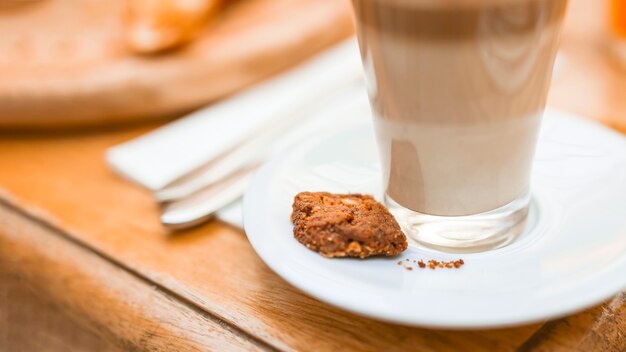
pixel 345 225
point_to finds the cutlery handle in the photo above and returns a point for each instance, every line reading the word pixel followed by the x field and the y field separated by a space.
pixel 201 206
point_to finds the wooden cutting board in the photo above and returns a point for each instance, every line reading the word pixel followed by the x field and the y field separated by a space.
pixel 65 62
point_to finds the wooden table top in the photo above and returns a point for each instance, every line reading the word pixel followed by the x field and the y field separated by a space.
pixel 90 247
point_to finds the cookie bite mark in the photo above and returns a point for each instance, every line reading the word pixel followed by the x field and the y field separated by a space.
pixel 346 225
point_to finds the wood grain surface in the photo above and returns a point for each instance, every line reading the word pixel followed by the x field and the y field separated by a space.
pixel 65 62
pixel 50 327
pixel 110 301
pixel 601 328
pixel 91 242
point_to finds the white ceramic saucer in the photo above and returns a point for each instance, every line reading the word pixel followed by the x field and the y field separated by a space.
pixel 571 256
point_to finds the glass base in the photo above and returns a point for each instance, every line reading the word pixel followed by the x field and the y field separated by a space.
pixel 463 234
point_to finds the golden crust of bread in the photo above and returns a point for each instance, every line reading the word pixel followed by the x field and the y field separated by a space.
pixel 158 25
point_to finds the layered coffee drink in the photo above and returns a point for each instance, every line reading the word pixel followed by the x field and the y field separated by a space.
pixel 457 90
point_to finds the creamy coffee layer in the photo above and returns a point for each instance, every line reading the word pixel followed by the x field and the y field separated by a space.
pixel 457 169
pixel 457 94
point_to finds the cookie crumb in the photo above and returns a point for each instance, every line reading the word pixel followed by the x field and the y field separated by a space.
pixel 433 264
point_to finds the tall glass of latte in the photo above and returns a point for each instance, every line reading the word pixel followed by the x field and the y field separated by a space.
pixel 458 89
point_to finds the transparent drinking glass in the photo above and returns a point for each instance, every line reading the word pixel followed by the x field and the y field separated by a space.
pixel 458 90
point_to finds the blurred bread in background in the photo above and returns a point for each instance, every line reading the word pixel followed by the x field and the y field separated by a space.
pixel 157 25
pixel 80 66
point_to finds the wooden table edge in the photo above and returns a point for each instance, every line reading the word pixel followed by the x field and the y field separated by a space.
pixel 56 265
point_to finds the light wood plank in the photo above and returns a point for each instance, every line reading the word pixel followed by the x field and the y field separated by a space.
pixel 120 308
pixel 31 322
pixel 602 328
